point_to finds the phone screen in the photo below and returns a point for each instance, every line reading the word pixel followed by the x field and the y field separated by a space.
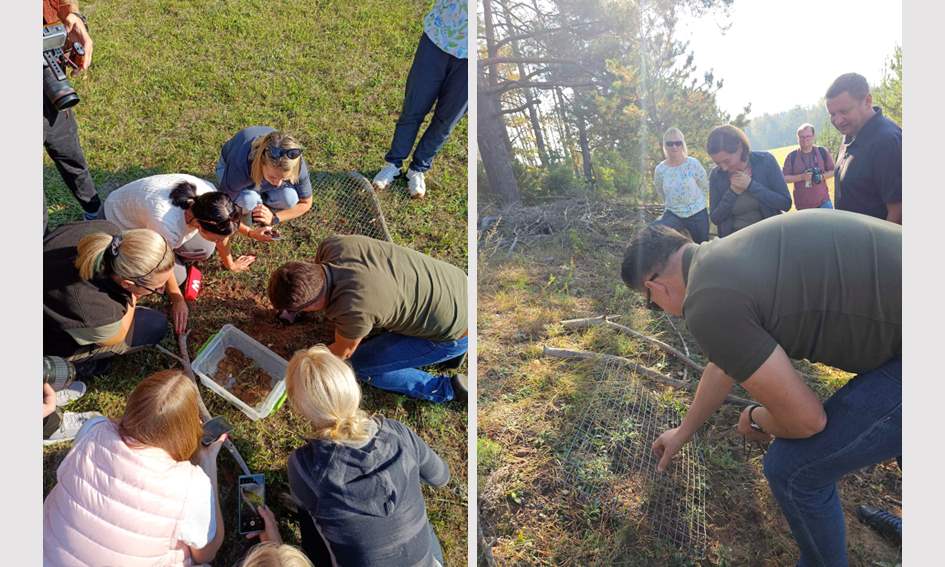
pixel 213 429
pixel 252 494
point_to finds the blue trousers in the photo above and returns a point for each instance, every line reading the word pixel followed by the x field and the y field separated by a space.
pixel 435 77
pixel 864 427
pixel 697 224
pixel 278 199
pixel 390 362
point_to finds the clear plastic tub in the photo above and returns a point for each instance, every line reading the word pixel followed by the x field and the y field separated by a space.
pixel 213 351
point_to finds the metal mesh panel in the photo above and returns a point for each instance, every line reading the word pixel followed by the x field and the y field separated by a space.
pixel 345 203
pixel 609 459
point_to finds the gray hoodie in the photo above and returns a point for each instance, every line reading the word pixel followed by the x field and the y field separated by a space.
pixel 366 500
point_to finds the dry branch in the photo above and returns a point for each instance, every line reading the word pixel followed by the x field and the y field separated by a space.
pixel 606 321
pixel 189 371
pixel 648 372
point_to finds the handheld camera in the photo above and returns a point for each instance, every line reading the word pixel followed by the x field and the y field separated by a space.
pixel 56 86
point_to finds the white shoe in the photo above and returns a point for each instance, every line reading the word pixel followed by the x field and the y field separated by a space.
pixel 70 394
pixel 385 176
pixel 70 426
pixel 415 184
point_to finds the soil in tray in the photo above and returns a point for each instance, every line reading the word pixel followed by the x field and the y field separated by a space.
pixel 240 375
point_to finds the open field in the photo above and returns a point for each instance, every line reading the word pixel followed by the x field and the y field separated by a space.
pixel 170 83
pixel 539 266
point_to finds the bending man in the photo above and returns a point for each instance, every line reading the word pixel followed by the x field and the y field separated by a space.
pixel 820 285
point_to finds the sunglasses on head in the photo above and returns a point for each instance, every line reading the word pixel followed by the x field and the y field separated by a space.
pixel 275 152
pixel 671 143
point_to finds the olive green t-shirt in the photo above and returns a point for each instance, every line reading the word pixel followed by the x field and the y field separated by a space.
pixel 378 284
pixel 826 285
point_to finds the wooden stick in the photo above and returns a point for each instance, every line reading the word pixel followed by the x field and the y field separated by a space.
pixel 606 321
pixel 648 372
pixel 189 371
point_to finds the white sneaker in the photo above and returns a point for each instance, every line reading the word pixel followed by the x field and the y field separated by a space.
pixel 415 184
pixel 70 426
pixel 70 394
pixel 385 176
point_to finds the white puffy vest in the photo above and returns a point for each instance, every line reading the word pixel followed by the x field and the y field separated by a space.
pixel 115 505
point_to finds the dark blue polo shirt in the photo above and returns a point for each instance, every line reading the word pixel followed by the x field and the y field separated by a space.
pixel 869 168
pixel 236 178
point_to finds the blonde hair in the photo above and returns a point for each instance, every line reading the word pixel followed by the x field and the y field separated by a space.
pixel 271 554
pixel 132 255
pixel 163 412
pixel 260 156
pixel 674 131
pixel 323 389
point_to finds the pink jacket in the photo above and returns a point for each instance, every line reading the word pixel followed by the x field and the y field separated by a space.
pixel 115 505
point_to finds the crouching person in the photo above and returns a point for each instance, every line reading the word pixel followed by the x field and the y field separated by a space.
pixel 359 477
pixel 361 284
pixel 141 490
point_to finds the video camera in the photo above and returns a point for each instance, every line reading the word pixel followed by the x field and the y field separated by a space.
pixel 816 175
pixel 56 86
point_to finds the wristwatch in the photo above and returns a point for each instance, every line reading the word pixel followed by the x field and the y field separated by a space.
pixel 751 419
pixel 275 219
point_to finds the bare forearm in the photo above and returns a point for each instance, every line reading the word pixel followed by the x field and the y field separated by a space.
pixel 298 210
pixel 786 428
pixel 713 387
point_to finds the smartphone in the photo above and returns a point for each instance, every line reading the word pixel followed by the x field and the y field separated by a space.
pixel 213 429
pixel 252 494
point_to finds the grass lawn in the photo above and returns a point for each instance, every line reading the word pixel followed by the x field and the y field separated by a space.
pixel 170 83
pixel 562 261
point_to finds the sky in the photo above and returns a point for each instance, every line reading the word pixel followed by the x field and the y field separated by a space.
pixel 780 54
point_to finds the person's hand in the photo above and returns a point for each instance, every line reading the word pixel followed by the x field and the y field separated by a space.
pixel 209 453
pixel 740 181
pixel 77 32
pixel 808 176
pixel 261 234
pixel 666 446
pixel 241 264
pixel 179 312
pixel 49 399
pixel 271 531
pixel 262 215
pixel 745 430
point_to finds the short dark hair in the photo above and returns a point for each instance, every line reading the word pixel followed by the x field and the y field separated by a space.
pixel 648 251
pixel 294 284
pixel 853 83
pixel 729 139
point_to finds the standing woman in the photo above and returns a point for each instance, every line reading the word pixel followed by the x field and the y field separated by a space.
pixel 263 171
pixel 94 274
pixel 359 477
pixel 140 490
pixel 682 182
pixel 746 186
pixel 187 211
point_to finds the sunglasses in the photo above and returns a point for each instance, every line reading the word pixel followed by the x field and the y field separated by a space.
pixel 671 143
pixel 649 302
pixel 151 289
pixel 275 152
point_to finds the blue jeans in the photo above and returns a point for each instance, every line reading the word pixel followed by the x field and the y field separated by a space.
pixel 697 224
pixel 827 204
pixel 864 427
pixel 391 361
pixel 435 76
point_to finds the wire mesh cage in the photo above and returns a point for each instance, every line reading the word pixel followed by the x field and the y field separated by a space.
pixel 345 203
pixel 608 458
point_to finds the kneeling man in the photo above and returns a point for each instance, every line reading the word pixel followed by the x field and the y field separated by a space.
pixel 817 284
pixel 361 284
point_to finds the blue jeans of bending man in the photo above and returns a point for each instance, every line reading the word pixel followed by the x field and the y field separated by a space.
pixel 697 224
pixel 435 77
pixel 391 362
pixel 864 427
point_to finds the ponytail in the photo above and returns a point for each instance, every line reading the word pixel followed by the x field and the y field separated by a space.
pixel 184 195
pixel 131 255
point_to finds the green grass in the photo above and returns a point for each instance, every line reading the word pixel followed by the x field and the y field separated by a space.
pixel 171 82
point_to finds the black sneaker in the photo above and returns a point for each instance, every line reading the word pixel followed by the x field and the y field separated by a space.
pixel 886 524
pixel 460 392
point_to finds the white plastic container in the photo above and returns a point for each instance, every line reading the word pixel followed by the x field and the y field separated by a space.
pixel 213 351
